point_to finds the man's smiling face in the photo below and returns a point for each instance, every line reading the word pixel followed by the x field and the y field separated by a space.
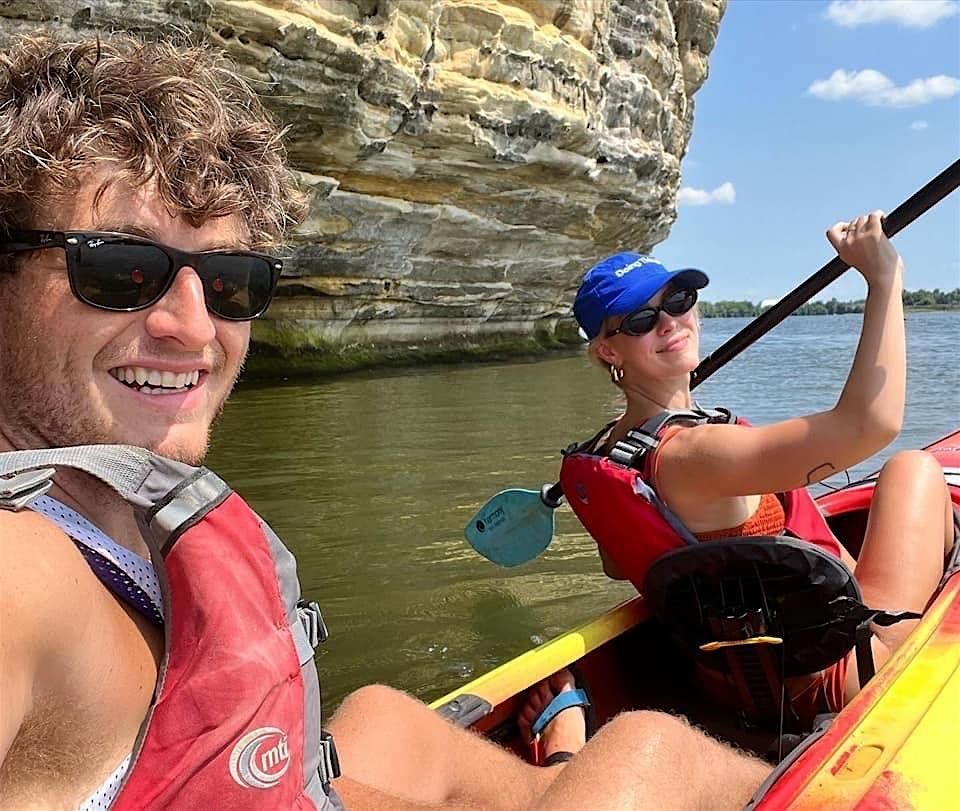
pixel 157 378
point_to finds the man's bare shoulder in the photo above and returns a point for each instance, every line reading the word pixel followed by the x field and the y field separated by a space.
pixel 66 689
pixel 27 531
pixel 41 583
pixel 42 573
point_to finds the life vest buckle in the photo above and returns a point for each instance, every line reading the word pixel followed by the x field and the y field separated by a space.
pixel 329 767
pixel 630 451
pixel 312 621
pixel 16 492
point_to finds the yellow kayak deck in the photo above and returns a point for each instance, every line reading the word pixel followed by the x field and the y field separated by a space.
pixel 890 748
pixel 895 745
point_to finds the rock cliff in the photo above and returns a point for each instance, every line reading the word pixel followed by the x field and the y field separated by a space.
pixel 466 158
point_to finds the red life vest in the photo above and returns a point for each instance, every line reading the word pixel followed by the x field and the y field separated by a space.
pixel 630 523
pixel 235 720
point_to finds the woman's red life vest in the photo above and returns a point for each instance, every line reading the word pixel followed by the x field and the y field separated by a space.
pixel 630 523
pixel 235 720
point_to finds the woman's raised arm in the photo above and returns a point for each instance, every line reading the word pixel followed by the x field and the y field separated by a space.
pixel 716 461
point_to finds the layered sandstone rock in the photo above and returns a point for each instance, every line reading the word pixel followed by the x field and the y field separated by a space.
pixel 466 158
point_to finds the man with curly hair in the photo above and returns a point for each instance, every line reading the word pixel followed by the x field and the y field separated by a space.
pixel 142 186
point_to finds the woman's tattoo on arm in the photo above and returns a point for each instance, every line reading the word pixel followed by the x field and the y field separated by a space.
pixel 818 473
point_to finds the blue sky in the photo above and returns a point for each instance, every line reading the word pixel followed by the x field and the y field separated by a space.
pixel 815 112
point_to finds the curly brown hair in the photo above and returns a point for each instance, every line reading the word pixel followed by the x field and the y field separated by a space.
pixel 177 115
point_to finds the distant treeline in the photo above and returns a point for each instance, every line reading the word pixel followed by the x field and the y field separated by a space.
pixel 936 299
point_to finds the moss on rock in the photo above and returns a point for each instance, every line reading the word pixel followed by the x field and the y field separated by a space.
pixel 285 351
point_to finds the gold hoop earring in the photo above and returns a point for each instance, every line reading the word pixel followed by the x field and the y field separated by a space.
pixel 616 374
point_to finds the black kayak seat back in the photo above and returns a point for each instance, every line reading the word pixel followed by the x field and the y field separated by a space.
pixel 759 589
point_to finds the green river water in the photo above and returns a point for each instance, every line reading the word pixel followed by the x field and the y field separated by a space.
pixel 370 477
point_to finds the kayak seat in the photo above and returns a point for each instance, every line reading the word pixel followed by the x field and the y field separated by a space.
pixel 761 609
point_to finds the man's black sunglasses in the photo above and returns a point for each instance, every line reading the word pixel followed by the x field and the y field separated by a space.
pixel 120 272
pixel 641 321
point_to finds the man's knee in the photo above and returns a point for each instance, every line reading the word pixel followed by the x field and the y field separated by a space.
pixel 649 720
pixel 374 702
pixel 659 736
pixel 649 733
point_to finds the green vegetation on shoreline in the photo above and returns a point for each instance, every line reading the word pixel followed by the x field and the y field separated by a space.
pixel 913 301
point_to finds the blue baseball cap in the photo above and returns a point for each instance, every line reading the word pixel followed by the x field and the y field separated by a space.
pixel 623 283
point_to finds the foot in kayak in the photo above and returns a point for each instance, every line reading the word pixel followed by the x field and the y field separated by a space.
pixel 566 732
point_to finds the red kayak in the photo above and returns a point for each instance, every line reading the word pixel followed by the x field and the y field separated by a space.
pixel 892 747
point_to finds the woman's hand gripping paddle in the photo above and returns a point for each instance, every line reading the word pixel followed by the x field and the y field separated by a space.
pixel 515 526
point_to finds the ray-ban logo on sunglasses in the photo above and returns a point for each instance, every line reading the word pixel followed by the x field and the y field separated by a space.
pixel 95 243
pixel 640 260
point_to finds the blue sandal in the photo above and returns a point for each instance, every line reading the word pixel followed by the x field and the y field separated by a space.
pixel 559 703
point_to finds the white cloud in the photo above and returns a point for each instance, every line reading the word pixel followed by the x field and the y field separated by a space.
pixel 919 125
pixel 724 195
pixel 909 13
pixel 873 88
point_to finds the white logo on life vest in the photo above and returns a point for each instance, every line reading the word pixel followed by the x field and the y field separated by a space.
pixel 260 758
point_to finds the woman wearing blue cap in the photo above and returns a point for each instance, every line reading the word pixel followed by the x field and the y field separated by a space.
pixel 721 479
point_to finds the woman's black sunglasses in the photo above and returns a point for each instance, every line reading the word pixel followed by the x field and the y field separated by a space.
pixel 641 321
pixel 125 273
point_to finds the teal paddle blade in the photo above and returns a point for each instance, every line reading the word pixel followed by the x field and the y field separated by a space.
pixel 513 527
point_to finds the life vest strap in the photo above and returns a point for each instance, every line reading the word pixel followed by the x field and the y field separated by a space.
pixel 757 680
pixel 644 438
pixel 16 492
pixel 639 441
pixel 589 445
pixel 866 668
pixel 745 644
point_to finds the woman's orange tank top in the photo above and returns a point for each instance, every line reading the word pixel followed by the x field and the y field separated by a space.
pixel 768 519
